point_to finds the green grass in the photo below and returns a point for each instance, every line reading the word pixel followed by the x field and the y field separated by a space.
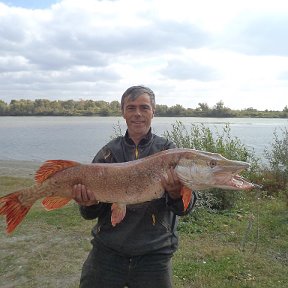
pixel 243 247
pixel 247 247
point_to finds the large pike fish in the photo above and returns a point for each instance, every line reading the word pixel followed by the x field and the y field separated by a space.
pixel 124 183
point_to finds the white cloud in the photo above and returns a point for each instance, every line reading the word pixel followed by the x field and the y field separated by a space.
pixel 234 51
pixel 186 69
pixel 258 34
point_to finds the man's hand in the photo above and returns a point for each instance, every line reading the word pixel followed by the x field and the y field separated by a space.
pixel 83 196
pixel 172 184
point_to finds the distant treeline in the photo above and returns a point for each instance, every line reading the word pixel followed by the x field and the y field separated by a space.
pixel 44 107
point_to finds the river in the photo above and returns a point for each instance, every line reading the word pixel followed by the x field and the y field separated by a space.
pixel 79 138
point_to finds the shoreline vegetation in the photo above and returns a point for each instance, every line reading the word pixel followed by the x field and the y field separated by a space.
pixel 44 107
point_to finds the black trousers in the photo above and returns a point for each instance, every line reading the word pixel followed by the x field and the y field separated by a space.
pixel 106 269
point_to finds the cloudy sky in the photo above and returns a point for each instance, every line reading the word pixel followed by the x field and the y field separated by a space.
pixel 188 52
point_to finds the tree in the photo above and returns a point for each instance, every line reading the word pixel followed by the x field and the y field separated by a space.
pixel 115 107
pixel 177 110
pixel 219 110
pixel 3 108
pixel 161 110
pixel 203 107
pixel 250 109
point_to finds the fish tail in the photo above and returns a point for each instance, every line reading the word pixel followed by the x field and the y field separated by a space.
pixel 13 209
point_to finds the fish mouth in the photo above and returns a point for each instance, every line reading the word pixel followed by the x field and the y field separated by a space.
pixel 240 182
pixel 236 181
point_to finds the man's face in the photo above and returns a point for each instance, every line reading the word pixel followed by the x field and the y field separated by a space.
pixel 138 115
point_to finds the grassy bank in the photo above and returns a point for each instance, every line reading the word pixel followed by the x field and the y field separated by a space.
pixel 246 247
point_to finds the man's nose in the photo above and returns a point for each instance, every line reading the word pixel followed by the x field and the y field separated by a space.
pixel 138 111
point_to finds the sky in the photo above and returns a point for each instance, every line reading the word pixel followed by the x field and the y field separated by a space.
pixel 187 52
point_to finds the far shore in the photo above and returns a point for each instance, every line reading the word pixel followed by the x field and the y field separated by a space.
pixel 16 168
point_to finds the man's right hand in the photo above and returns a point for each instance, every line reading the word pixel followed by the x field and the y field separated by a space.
pixel 83 196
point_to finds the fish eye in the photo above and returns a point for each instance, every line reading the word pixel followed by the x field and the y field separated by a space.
pixel 213 163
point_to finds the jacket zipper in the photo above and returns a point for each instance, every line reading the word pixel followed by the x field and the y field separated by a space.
pixel 136 152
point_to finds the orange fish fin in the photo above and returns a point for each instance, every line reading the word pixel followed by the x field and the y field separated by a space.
pixel 186 196
pixel 50 167
pixel 54 202
pixel 118 213
pixel 12 208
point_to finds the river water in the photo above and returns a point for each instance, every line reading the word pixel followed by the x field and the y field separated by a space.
pixel 79 138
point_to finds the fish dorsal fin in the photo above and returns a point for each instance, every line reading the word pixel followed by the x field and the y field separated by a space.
pixel 50 167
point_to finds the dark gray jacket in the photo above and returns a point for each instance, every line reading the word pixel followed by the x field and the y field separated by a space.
pixel 147 228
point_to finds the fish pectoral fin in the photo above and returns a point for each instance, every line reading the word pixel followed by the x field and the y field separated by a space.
pixel 54 202
pixel 186 196
pixel 51 167
pixel 118 213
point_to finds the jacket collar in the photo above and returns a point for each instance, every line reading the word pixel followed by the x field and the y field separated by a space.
pixel 143 141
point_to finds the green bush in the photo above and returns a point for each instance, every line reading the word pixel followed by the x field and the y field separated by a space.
pixel 201 137
pixel 277 158
pixel 278 155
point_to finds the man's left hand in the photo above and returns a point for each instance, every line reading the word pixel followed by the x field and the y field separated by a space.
pixel 172 184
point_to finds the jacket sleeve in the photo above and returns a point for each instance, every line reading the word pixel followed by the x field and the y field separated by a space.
pixel 177 205
pixel 94 211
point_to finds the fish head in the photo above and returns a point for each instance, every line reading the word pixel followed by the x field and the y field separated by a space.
pixel 203 170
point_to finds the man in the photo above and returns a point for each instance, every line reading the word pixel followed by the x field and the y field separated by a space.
pixel 136 252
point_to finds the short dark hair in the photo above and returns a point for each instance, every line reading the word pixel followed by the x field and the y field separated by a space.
pixel 134 92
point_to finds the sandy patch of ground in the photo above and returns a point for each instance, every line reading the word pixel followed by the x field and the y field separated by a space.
pixel 25 169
